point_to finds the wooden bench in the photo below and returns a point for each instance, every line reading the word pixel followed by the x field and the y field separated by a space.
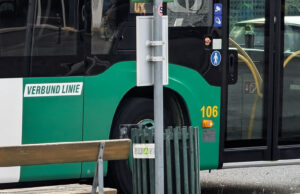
pixel 68 152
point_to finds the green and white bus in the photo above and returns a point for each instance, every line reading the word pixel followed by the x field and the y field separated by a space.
pixel 68 73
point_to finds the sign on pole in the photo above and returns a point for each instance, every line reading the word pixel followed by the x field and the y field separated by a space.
pixel 144 50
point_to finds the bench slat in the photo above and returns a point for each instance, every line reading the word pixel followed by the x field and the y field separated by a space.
pixel 53 153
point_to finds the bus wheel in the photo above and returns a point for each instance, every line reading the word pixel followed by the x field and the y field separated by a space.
pixel 136 110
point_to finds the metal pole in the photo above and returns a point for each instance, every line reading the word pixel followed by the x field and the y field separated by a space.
pixel 158 100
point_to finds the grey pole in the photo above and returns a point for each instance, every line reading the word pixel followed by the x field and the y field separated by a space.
pixel 158 101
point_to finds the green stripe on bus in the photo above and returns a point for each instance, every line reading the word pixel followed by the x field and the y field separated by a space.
pixel 52 119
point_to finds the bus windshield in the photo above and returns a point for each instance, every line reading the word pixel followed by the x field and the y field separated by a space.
pixel 193 13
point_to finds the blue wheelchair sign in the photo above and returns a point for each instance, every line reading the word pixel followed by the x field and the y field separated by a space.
pixel 217 21
pixel 215 58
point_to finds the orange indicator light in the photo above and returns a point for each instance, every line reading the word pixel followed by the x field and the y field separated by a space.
pixel 207 41
pixel 207 124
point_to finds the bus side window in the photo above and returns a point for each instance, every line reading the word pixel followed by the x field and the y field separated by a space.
pixel 105 29
pixel 61 37
pixel 13 58
pixel 54 29
pixel 75 37
pixel 106 20
pixel 57 45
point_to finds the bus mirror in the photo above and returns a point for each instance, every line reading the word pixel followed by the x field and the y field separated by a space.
pixel 232 70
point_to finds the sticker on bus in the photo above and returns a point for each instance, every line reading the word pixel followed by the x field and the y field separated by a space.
pixel 215 58
pixel 53 89
pixel 218 21
pixel 218 7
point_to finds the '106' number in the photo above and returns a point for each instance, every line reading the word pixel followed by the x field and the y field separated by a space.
pixel 209 111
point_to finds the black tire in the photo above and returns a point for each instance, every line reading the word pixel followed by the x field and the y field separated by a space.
pixel 132 111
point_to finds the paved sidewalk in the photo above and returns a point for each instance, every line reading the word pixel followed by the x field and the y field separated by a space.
pixel 56 189
pixel 273 180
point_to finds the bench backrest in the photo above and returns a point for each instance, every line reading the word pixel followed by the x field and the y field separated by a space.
pixel 54 153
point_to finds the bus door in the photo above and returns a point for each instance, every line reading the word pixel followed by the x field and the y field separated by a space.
pixel 246 135
pixel 287 82
pixel 263 110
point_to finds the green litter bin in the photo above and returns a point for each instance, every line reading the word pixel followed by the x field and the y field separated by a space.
pixel 181 161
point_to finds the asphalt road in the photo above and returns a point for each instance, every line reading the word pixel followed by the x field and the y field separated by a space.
pixel 273 180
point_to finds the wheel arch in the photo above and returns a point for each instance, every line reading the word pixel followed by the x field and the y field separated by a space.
pixel 172 100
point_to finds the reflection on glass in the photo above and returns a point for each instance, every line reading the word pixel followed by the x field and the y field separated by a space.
pixel 54 30
pixel 245 107
pixel 13 27
pixel 14 44
pixel 291 76
pixel 190 13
